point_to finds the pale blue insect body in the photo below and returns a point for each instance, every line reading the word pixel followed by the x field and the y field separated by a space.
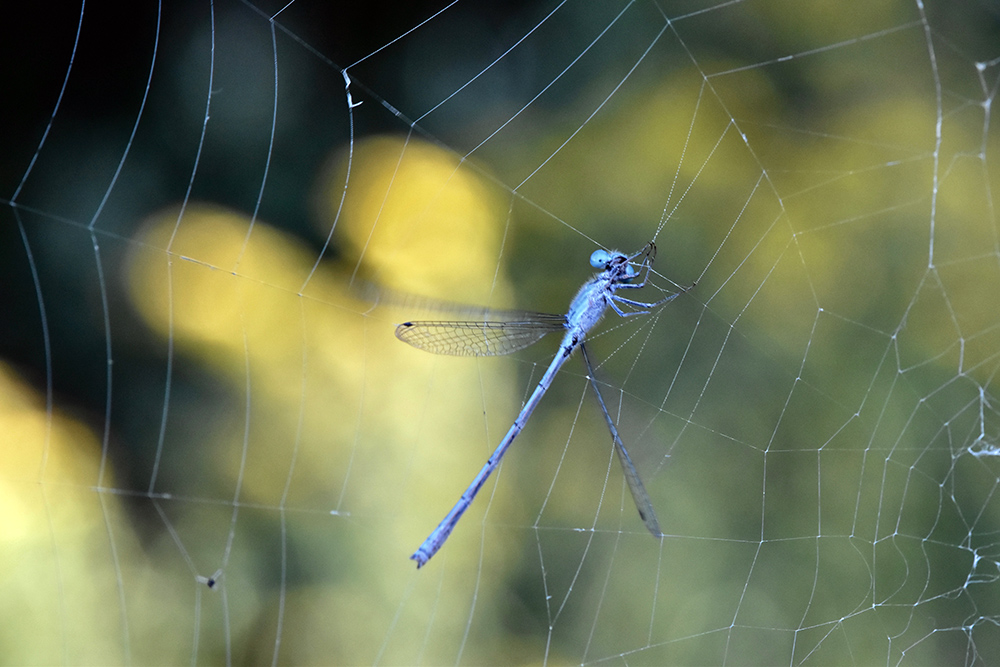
pixel 522 329
pixel 593 299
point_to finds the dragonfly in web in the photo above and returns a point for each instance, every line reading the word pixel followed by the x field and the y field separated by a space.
pixel 485 338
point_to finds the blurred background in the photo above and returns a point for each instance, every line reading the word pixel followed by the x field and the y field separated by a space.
pixel 214 449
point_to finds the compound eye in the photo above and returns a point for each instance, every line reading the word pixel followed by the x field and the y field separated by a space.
pixel 600 259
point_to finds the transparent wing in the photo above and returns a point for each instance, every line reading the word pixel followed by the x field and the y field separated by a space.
pixel 478 339
pixel 635 485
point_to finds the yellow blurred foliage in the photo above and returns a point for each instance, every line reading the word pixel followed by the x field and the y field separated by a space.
pixel 70 555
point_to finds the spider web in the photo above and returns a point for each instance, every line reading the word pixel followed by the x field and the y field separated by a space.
pixel 216 451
